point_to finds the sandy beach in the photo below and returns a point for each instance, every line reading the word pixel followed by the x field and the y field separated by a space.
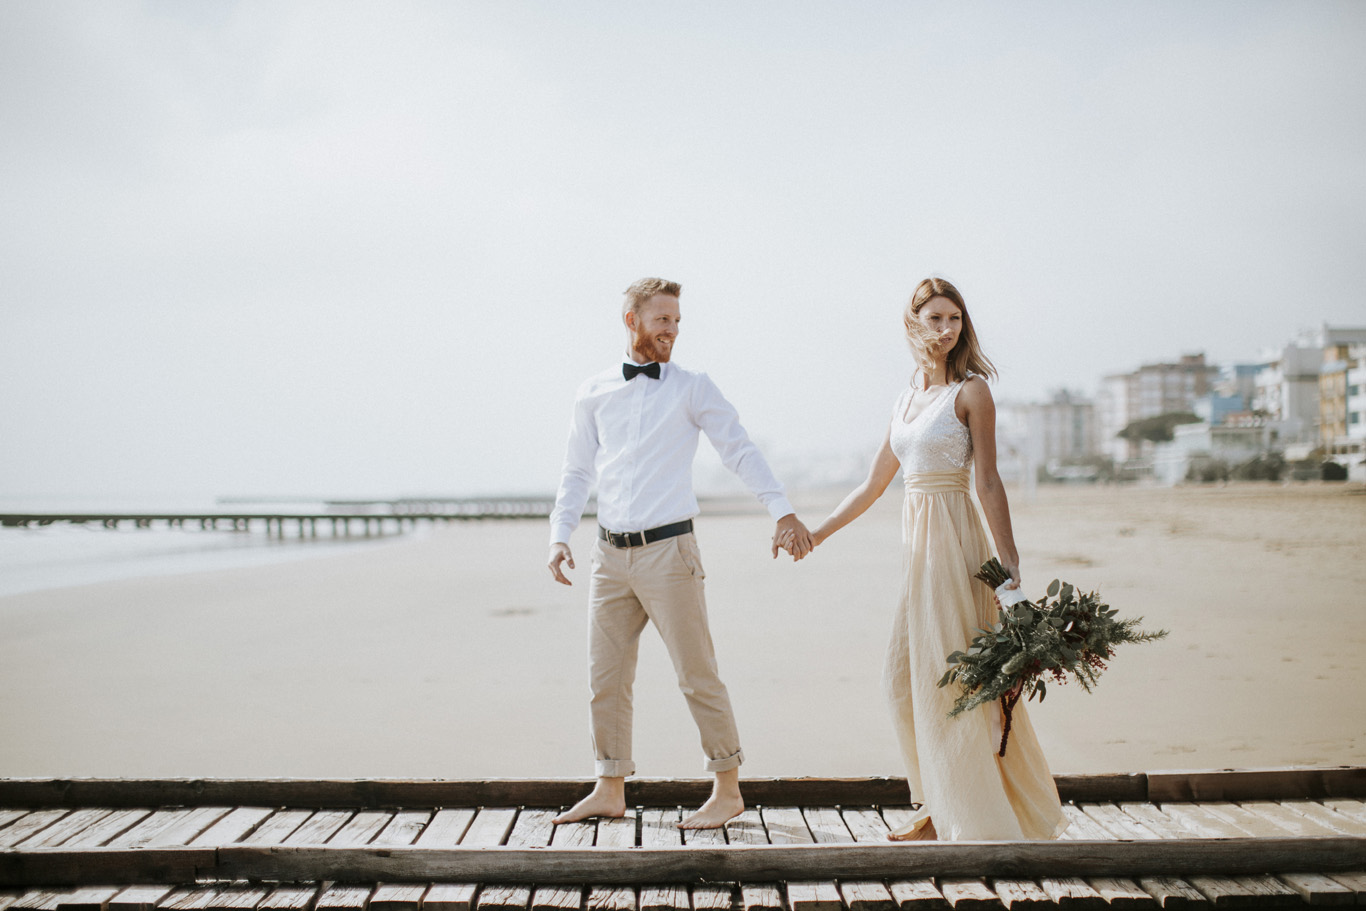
pixel 453 655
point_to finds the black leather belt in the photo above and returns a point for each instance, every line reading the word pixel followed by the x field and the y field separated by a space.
pixel 649 535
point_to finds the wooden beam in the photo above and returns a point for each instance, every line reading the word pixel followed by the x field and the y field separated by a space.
pixel 649 792
pixel 105 866
pixel 1257 784
pixel 760 863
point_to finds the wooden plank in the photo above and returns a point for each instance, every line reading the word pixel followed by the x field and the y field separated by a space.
pixel 1244 822
pixel 710 896
pixel 490 827
pixel 362 828
pixel 404 828
pixel 1071 893
pixel 1356 882
pixel 1330 819
pixel 277 827
pixel 290 897
pixel 787 826
pixel 449 897
pixel 1122 893
pixel 1317 889
pixel 396 897
pixel 1353 808
pixel 565 897
pixel 343 897
pixel 1256 784
pixel 65 828
pixel 921 894
pixel 1021 895
pixel 107 829
pixel 830 826
pixel 968 894
pixel 1117 892
pixel 1285 820
pixel 1230 820
pixel 1221 890
pixel 469 828
pixel 319 827
pixel 1116 821
pixel 533 829
pixel 103 867
pixel 614 833
pixel 1173 894
pixel 169 828
pixel 1168 891
pixel 801 863
pixel 138 898
pixel 748 829
pixel 28 825
pixel 232 827
pixel 404 793
pixel 1244 891
pixel 917 894
pixel 43 899
pixel 88 898
pixel 658 829
pixel 1103 787
pixel 189 898
pixel 448 827
pixel 7 816
pixel 239 897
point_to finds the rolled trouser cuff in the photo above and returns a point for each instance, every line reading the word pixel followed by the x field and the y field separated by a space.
pixel 614 768
pixel 725 764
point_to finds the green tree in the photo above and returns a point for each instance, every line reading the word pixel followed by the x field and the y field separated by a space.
pixel 1157 429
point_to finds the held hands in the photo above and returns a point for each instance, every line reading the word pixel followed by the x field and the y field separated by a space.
pixel 792 536
pixel 559 553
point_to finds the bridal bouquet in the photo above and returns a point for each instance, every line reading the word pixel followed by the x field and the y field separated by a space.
pixel 1072 635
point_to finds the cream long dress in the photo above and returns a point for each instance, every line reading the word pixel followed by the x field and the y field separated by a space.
pixel 951 763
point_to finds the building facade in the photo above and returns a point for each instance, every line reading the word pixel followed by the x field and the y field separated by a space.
pixel 1149 391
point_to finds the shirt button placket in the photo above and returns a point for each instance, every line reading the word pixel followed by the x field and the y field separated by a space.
pixel 633 436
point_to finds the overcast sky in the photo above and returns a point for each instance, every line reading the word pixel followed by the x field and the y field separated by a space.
pixel 370 249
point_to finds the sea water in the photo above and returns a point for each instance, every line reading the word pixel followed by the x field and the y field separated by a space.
pixel 36 557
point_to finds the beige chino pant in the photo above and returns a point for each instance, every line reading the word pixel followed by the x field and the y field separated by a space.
pixel 660 583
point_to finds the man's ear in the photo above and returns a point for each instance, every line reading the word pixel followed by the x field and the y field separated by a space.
pixel 629 318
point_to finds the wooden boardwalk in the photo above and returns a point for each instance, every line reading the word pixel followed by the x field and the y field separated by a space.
pixel 1211 840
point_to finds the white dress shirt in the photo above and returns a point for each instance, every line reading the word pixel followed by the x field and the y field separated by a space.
pixel 638 437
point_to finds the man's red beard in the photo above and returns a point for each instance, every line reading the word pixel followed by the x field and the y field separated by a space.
pixel 645 348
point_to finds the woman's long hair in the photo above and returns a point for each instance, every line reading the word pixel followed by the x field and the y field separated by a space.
pixel 966 357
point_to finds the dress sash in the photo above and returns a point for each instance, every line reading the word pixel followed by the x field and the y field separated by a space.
pixel 955 480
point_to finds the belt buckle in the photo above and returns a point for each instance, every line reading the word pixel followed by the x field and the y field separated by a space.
pixel 624 538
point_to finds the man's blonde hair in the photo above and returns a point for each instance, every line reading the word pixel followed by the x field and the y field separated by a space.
pixel 646 288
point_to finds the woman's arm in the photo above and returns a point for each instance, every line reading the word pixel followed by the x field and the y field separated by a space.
pixel 975 405
pixel 883 470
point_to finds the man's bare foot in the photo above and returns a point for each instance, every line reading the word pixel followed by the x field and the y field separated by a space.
pixel 607 799
pixel 716 812
pixel 925 832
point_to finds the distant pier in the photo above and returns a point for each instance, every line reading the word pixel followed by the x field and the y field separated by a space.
pixel 339 518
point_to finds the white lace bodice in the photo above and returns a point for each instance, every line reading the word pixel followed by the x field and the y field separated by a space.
pixel 935 440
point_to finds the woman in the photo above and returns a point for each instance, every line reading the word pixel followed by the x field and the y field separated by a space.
pixel 944 425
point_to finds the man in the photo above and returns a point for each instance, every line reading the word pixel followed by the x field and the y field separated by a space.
pixel 635 430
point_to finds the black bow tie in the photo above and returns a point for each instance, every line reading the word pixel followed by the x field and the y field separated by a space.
pixel 630 370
